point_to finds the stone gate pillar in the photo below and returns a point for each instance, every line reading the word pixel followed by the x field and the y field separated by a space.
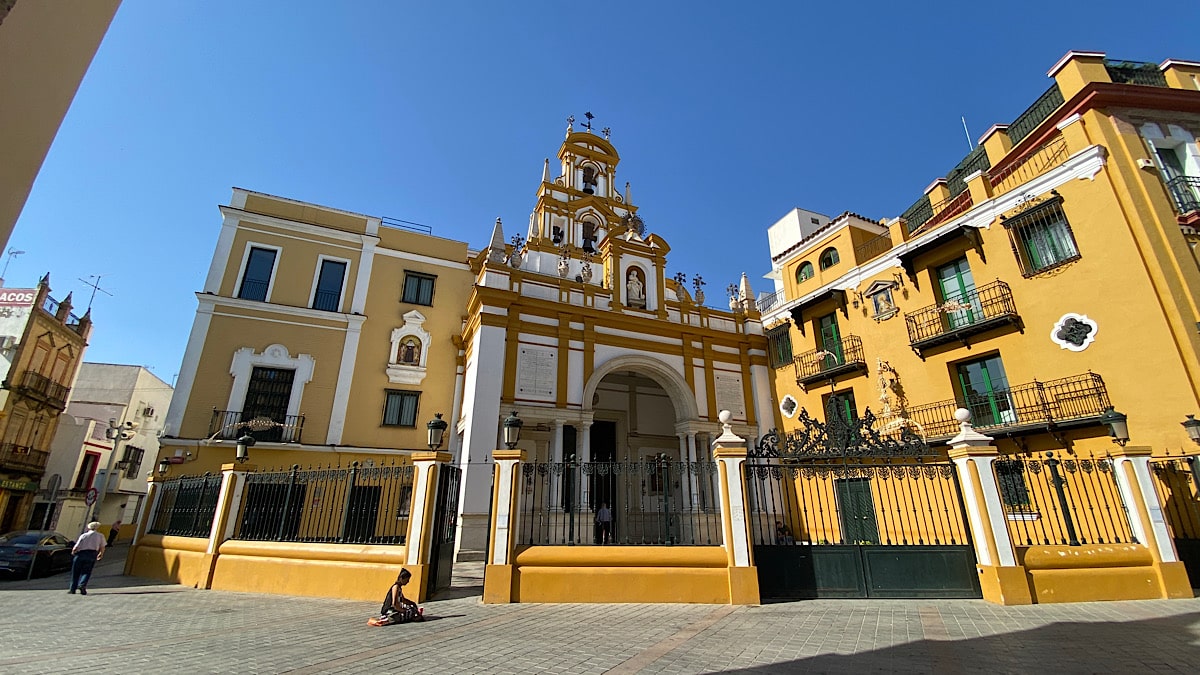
pixel 498 574
pixel 1001 577
pixel 229 501
pixel 421 531
pixel 1131 468
pixel 730 452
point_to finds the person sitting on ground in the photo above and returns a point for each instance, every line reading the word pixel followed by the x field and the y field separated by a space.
pixel 397 608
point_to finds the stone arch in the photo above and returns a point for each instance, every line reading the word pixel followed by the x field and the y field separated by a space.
pixel 683 399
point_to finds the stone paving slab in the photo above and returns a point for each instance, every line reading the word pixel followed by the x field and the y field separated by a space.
pixel 131 625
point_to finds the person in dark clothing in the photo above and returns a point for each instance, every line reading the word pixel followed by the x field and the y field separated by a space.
pixel 397 608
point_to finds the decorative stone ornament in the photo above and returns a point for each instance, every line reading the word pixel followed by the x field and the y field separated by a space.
pixel 496 253
pixel 409 351
pixel 1074 332
pixel 788 406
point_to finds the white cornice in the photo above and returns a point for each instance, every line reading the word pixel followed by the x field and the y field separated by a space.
pixel 307 228
pixel 211 301
pixel 1084 164
pixel 1071 55
pixel 417 257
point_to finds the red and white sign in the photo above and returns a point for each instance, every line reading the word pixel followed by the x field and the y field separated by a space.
pixel 90 497
pixel 12 297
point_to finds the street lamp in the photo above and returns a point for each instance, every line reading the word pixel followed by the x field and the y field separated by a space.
pixel 243 448
pixel 1193 428
pixel 1118 425
pixel 437 427
pixel 512 430
pixel 163 465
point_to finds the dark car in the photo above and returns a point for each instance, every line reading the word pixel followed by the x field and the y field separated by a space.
pixel 47 551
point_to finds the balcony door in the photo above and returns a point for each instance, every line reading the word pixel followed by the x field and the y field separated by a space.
pixel 267 396
pixel 831 341
pixel 958 288
pixel 985 392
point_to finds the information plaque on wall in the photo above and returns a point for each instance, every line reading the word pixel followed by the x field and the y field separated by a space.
pixel 728 388
pixel 537 372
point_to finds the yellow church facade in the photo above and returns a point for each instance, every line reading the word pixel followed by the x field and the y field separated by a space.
pixel 1049 286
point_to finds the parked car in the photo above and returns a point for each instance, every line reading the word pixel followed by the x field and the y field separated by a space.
pixel 49 552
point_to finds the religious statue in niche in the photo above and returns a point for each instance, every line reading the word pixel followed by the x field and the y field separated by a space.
pixel 635 288
pixel 410 352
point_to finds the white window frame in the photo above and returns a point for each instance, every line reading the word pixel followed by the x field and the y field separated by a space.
pixel 274 356
pixel 237 286
pixel 312 294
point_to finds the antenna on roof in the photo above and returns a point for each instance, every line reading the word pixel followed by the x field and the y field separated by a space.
pixel 968 133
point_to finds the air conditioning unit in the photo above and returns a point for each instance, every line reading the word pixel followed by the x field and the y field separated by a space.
pixel 8 342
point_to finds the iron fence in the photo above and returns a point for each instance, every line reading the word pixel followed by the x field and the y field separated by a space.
pixel 873 248
pixel 1179 493
pixel 831 358
pixel 887 504
pixel 229 425
pixel 916 215
pixel 949 208
pixel 1068 502
pixel 984 304
pixel 1185 191
pixel 186 506
pixel 1041 159
pixel 1079 397
pixel 354 505
pixel 1134 72
pixel 768 301
pixel 1035 114
pixel 656 502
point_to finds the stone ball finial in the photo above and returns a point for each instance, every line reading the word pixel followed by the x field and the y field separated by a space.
pixel 962 415
pixel 725 416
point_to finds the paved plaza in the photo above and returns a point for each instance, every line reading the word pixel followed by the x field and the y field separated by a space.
pixel 132 625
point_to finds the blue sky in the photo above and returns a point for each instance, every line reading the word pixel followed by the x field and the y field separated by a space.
pixel 726 116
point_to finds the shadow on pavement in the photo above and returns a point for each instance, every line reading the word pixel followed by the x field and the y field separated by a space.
pixel 1109 647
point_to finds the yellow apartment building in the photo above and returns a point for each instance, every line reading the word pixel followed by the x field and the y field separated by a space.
pixel 1048 284
pixel 41 347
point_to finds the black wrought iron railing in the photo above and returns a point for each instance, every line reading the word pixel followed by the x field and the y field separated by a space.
pixel 976 160
pixel 1035 114
pixel 252 289
pixel 768 301
pixel 978 308
pixel 326 301
pixel 229 425
pixel 656 502
pixel 916 215
pixel 849 504
pixel 1078 398
pixel 830 359
pixel 950 207
pixel 1041 159
pixel 1185 191
pixel 22 457
pixel 1135 72
pixel 1179 493
pixel 1068 502
pixel 186 506
pixel 342 505
pixel 873 248
pixel 42 387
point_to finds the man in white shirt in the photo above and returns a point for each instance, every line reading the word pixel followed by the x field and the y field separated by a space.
pixel 88 549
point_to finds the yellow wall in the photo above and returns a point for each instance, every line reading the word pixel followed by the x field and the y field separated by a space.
pixel 621 574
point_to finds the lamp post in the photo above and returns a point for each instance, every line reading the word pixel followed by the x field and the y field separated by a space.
pixel 1118 425
pixel 1193 431
pixel 163 465
pixel 437 427
pixel 115 433
pixel 512 430
pixel 243 448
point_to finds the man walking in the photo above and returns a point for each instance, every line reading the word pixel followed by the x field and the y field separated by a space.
pixel 88 549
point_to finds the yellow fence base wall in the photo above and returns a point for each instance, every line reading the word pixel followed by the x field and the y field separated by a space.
pixel 1175 581
pixel 345 571
pixel 180 560
pixel 1004 585
pixel 621 574
pixel 1091 573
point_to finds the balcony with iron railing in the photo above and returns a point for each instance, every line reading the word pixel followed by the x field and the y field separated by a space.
pixel 1185 192
pixel 1135 72
pixel 230 425
pixel 16 457
pixel 977 311
pixel 769 301
pixel 1078 400
pixel 873 248
pixel 831 361
pixel 39 387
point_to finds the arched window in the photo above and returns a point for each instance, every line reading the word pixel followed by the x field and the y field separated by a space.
pixel 829 258
pixel 589 179
pixel 804 272
pixel 589 235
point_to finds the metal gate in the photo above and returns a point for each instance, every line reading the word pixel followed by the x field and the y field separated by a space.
pixel 445 526
pixel 840 510
pixel 1177 485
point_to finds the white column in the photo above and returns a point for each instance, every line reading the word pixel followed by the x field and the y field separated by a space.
pixel 455 444
pixel 1150 510
pixel 968 447
pixel 502 511
pixel 690 497
pixel 731 453
pixel 417 539
pixel 557 458
pixel 692 481
pixel 583 453
pixel 481 411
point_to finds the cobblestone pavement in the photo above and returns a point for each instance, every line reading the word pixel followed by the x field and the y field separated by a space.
pixel 131 625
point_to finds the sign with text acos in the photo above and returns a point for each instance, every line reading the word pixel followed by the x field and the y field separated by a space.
pixel 16 306
pixel 90 497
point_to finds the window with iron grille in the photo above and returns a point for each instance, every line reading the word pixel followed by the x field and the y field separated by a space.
pixel 1041 238
pixel 1014 493
pixel 418 288
pixel 400 408
pixel 256 279
pixel 132 460
pixel 779 345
